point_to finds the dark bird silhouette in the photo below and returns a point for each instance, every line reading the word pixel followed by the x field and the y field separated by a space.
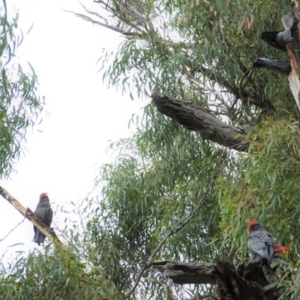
pixel 44 212
pixel 281 66
pixel 278 39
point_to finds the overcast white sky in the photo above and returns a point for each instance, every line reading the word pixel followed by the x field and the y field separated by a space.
pixel 83 114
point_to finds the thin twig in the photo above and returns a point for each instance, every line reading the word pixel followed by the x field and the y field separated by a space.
pixel 13 229
pixel 86 18
pixel 167 288
pixel 174 229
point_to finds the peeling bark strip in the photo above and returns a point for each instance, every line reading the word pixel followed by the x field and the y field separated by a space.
pixel 195 118
pixel 27 212
pixel 294 78
pixel 244 282
pixel 293 48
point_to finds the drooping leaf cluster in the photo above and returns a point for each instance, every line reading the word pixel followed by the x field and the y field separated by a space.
pixel 20 103
pixel 51 274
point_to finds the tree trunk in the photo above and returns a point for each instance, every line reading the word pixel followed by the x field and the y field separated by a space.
pixel 293 48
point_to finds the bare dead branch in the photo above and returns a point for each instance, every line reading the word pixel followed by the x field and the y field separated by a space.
pixel 186 273
pixel 27 213
pixel 93 13
pixel 139 17
pixel 122 12
pixel 89 19
pixel 246 281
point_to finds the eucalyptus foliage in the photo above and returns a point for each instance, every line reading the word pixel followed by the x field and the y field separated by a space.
pixel 20 103
pixel 51 274
pixel 202 52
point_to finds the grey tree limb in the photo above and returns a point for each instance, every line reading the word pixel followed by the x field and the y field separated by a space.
pixel 280 66
pixel 200 120
pixel 187 273
pixel 242 282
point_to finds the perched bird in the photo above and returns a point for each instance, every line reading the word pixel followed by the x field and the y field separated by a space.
pixel 260 242
pixel 262 245
pixel 44 212
pixel 278 39
pixel 281 66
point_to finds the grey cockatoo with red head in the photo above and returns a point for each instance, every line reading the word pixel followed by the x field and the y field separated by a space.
pixel 262 245
pixel 44 212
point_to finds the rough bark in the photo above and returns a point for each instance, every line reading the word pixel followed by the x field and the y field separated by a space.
pixel 293 48
pixel 200 120
pixel 244 282
pixel 185 273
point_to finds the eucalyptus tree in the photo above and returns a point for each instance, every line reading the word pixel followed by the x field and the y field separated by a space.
pixel 20 103
pixel 217 145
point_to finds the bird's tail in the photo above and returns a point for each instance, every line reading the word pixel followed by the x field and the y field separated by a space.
pixel 269 35
pixel 278 249
pixel 39 238
pixel 281 249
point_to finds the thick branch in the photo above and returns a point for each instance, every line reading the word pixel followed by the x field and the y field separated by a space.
pixel 195 118
pixel 244 282
pixel 187 273
pixel 26 212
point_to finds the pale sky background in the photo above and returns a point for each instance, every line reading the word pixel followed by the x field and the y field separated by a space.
pixel 83 114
